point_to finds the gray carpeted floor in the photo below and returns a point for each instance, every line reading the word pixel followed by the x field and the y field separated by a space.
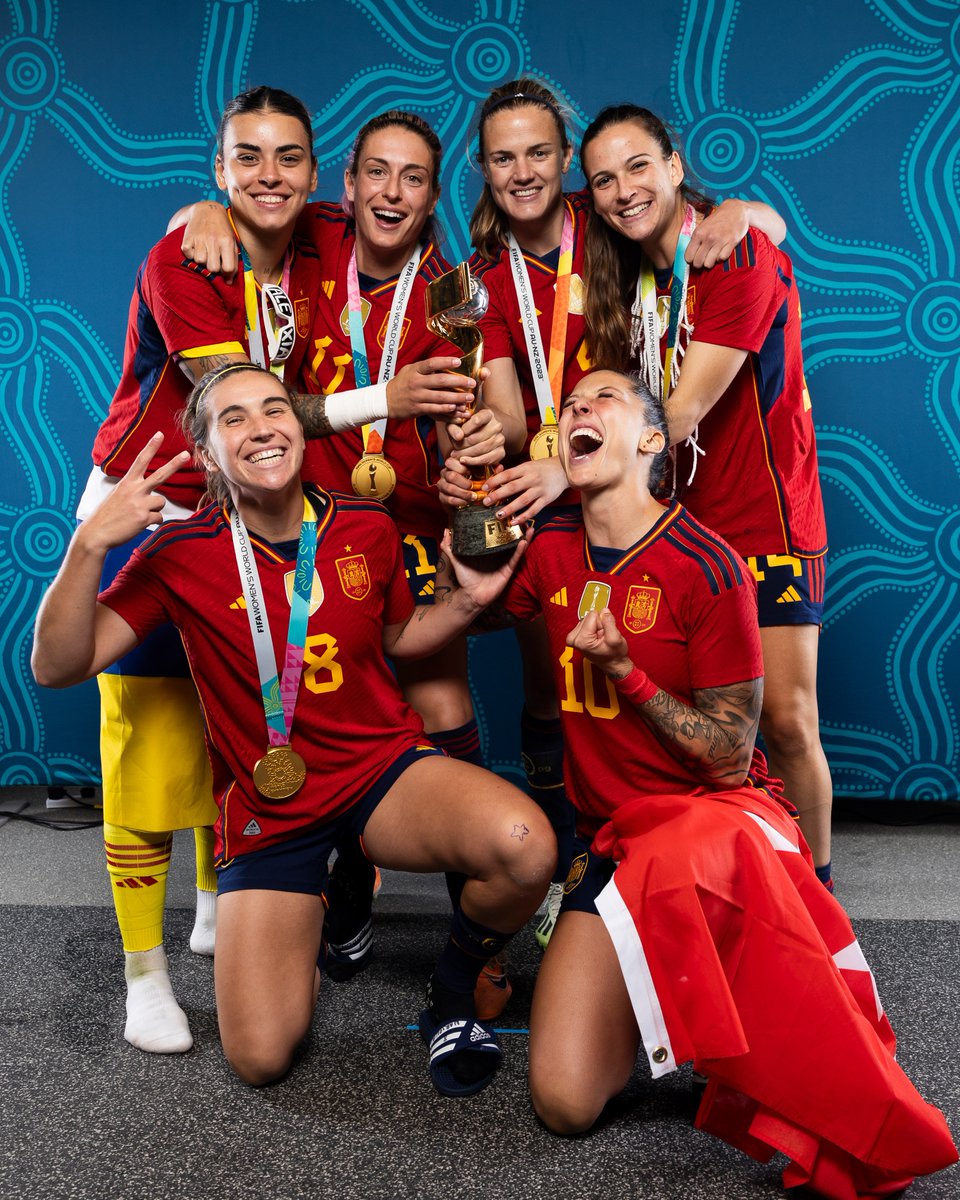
pixel 87 1116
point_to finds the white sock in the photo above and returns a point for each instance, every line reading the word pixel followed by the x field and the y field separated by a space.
pixel 155 1021
pixel 205 926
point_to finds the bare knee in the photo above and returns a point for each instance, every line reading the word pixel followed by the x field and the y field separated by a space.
pixel 791 732
pixel 567 1111
pixel 526 847
pixel 261 1062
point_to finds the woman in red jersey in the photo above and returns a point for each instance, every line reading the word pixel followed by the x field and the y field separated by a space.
pixel 286 630
pixel 376 252
pixel 183 321
pixel 530 236
pixel 721 346
pixel 693 926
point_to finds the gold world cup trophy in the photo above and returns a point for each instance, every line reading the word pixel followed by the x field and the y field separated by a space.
pixel 455 303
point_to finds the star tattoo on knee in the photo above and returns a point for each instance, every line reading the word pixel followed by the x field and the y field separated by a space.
pixel 520 832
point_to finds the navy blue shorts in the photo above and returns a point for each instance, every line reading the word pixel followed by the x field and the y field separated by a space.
pixel 420 557
pixel 789 589
pixel 299 864
pixel 589 874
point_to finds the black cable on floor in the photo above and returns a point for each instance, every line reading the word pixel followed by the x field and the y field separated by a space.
pixel 48 823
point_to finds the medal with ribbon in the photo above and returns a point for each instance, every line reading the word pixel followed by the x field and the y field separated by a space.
pixel 280 773
pixel 547 373
pixel 373 475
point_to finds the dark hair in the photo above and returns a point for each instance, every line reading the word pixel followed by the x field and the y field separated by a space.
pixel 195 423
pixel 265 99
pixel 489 228
pixel 654 415
pixel 611 261
pixel 398 118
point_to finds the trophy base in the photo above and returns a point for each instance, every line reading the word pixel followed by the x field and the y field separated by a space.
pixel 477 532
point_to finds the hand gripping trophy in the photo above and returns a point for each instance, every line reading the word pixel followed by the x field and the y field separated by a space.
pixel 455 303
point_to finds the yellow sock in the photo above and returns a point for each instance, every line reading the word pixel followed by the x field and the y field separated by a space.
pixel 138 862
pixel 206 875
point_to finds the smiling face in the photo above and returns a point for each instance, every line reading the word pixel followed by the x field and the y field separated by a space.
pixel 635 189
pixel 253 438
pixel 267 170
pixel 524 162
pixel 604 433
pixel 391 187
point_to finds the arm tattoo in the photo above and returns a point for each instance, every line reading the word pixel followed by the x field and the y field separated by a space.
pixel 312 411
pixel 716 736
pixel 196 368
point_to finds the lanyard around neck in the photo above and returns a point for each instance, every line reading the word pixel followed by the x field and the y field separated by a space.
pixel 278 692
pixel 547 375
pixel 271 302
pixel 660 375
pixel 391 344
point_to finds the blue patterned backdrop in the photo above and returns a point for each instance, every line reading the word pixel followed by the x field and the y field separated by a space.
pixel 844 116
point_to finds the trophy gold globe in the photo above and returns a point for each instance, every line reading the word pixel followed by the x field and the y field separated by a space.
pixel 455 303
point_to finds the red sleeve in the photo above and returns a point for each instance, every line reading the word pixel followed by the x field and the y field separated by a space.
pixel 495 326
pixel 398 603
pixel 520 598
pixel 735 302
pixel 192 308
pixel 724 637
pixel 138 595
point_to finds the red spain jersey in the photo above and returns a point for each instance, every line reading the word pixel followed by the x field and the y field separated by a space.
pixel 350 721
pixel 180 310
pixel 502 327
pixel 757 483
pixel 409 445
pixel 685 602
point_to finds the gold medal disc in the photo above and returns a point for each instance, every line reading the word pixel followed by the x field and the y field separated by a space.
pixel 373 476
pixel 280 773
pixel 544 444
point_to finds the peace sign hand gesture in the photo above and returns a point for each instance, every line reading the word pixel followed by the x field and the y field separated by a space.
pixel 134 504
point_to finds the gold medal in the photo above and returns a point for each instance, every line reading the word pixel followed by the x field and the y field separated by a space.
pixel 280 773
pixel 373 476
pixel 544 443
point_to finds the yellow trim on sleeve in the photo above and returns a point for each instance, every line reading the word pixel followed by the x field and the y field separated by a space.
pixel 219 348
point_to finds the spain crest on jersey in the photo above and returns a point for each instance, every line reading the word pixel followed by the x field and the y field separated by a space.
pixel 316 589
pixel 354 576
pixel 384 326
pixel 640 610
pixel 301 315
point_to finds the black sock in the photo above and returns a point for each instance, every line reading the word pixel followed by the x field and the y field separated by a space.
pixel 349 893
pixel 541 749
pixel 469 946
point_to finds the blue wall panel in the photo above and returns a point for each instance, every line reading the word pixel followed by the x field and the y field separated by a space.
pixel 844 116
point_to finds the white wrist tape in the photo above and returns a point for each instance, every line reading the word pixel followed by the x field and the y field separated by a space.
pixel 359 406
